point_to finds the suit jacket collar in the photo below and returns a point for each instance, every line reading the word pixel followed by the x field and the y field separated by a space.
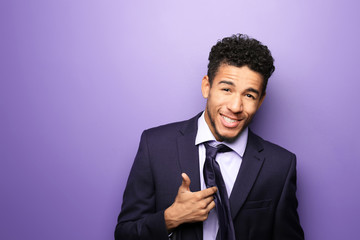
pixel 188 152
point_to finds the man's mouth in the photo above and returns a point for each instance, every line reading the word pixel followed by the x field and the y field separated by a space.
pixel 229 120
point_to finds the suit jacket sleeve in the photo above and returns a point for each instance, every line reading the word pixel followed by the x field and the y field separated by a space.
pixel 287 224
pixel 138 218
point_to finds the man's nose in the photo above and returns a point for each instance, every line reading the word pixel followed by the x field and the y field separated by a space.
pixel 235 104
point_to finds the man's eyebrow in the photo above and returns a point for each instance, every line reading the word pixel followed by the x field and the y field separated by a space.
pixel 227 82
pixel 253 90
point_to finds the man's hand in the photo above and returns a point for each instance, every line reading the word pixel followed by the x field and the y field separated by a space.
pixel 189 206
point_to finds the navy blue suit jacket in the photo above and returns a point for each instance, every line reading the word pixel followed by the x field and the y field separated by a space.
pixel 263 200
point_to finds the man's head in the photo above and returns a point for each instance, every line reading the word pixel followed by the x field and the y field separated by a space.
pixel 235 86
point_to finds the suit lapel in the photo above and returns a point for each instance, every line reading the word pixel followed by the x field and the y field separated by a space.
pixel 188 152
pixel 189 164
pixel 249 170
pixel 189 160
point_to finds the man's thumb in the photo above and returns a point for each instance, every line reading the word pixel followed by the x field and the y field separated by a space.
pixel 185 182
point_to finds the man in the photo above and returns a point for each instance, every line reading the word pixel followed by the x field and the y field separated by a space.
pixel 182 186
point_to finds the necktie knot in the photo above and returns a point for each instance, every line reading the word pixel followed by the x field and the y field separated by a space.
pixel 212 151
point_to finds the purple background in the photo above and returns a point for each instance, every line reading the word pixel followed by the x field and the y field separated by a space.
pixel 80 81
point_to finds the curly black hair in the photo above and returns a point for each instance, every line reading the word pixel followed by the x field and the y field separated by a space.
pixel 240 50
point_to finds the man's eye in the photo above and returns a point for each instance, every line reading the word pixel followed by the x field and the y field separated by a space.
pixel 226 89
pixel 250 96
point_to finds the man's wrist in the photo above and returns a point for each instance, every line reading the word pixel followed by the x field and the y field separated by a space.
pixel 170 219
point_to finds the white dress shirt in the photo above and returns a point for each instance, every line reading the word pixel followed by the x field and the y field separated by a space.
pixel 229 162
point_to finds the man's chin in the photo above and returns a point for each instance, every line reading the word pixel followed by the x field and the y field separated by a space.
pixel 227 138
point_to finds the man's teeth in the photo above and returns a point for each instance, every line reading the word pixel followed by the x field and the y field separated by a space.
pixel 229 120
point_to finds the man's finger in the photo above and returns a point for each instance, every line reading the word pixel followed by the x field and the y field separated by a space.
pixel 208 192
pixel 185 185
pixel 209 203
pixel 208 200
pixel 210 206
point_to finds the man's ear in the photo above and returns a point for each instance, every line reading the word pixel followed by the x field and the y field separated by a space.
pixel 205 87
pixel 261 99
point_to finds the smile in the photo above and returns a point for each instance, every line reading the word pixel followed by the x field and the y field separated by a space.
pixel 229 120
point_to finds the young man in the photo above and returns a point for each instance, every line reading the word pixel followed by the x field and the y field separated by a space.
pixel 242 187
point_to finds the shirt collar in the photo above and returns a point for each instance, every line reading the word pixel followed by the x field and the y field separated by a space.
pixel 204 134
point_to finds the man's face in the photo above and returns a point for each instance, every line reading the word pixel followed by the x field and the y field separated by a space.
pixel 232 100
